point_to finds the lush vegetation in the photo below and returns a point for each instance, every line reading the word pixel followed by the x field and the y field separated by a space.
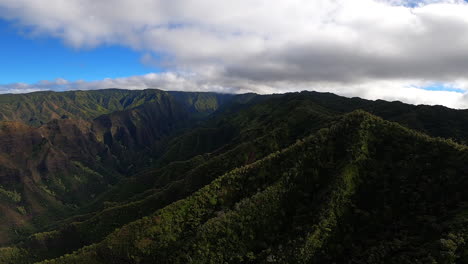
pixel 41 107
pixel 203 178
pixel 58 167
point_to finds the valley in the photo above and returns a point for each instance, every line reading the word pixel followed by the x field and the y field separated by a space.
pixel 172 177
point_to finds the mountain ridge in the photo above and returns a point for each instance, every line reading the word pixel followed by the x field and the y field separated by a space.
pixel 140 245
pixel 38 108
pixel 315 196
pixel 45 160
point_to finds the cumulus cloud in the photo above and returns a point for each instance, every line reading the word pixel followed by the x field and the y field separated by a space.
pixel 409 91
pixel 387 49
pixel 169 81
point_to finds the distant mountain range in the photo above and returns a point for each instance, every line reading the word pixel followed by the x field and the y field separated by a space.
pixel 120 176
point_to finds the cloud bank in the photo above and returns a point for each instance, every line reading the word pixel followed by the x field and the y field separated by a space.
pixel 388 49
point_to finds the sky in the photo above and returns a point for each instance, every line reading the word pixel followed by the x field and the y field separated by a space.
pixel 411 51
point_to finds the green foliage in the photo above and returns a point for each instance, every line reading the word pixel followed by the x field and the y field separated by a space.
pixel 293 206
pixel 13 255
pixel 21 210
pixel 41 107
pixel 9 196
pixel 282 178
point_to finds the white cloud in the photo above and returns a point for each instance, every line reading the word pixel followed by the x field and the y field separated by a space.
pixel 409 91
pixel 369 48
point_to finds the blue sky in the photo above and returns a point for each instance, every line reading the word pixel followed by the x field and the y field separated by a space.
pixel 29 59
pixel 441 87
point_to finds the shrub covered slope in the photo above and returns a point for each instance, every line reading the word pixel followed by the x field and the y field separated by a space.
pixel 291 178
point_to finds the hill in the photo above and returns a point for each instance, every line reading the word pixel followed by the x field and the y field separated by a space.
pixel 291 178
pixel 48 171
pixel 310 203
pixel 39 108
